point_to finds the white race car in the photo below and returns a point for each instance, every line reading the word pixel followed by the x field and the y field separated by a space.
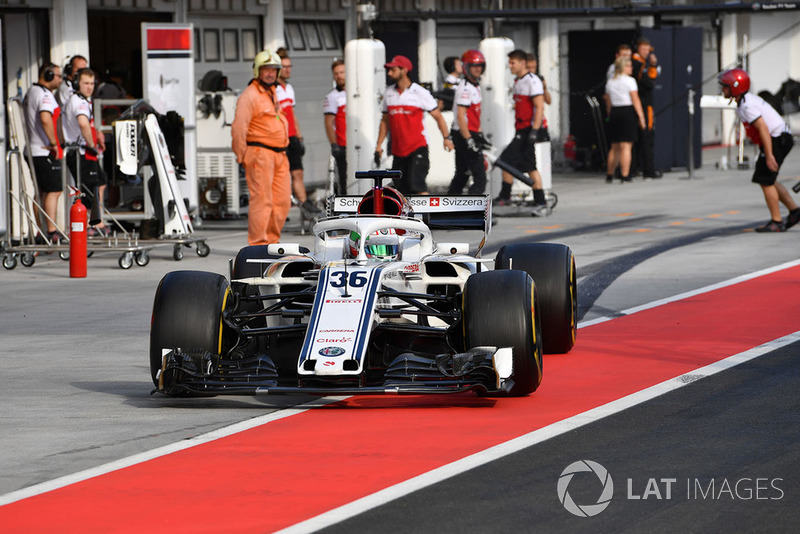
pixel 377 307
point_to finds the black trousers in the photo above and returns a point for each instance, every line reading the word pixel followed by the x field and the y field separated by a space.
pixel 467 162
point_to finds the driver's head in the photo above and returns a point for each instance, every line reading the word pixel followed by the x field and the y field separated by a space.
pixel 381 245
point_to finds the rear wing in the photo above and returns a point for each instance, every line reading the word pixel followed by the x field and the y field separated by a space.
pixel 449 212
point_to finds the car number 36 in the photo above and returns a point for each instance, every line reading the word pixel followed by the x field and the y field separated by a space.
pixel 353 279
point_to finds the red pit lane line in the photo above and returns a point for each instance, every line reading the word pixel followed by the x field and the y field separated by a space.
pixel 276 475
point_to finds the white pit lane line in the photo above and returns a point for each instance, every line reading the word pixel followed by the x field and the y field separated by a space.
pixel 447 471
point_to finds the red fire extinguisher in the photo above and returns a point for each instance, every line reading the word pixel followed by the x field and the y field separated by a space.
pixel 77 240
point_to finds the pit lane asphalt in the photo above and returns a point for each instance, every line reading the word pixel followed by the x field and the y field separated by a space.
pixel 75 382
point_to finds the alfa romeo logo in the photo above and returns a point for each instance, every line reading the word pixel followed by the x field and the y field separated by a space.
pixel 585 510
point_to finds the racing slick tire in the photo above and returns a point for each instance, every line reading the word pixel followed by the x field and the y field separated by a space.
pixel 500 309
pixel 552 267
pixel 187 313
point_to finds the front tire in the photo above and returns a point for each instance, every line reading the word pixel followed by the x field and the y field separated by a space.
pixel 500 310
pixel 187 313
pixel 552 267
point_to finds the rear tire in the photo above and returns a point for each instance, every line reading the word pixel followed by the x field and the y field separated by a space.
pixel 187 313
pixel 499 309
pixel 552 267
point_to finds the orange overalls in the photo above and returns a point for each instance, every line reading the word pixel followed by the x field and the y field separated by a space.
pixel 260 137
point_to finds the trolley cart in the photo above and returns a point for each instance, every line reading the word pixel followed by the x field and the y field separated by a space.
pixel 27 238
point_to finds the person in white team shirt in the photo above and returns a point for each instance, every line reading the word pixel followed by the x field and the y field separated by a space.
pixel 626 116
pixel 41 118
pixel 404 106
pixel 78 122
pixel 466 131
pixel 334 109
pixel 765 127
pixel 297 148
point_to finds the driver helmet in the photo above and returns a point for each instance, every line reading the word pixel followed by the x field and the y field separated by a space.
pixel 266 58
pixel 471 58
pixel 382 244
pixel 394 203
pixel 736 80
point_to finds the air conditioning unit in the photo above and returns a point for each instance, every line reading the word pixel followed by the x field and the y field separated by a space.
pixel 223 191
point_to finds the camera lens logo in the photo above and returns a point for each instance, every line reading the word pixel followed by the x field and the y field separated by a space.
pixel 586 510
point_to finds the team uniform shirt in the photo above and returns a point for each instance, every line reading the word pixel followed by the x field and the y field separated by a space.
pixel 406 110
pixel 39 99
pixel 750 108
pixel 64 93
pixel 469 96
pixel 619 90
pixel 525 88
pixel 450 81
pixel 285 94
pixel 76 106
pixel 334 104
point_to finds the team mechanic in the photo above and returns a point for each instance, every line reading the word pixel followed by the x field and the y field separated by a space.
pixel 404 107
pixel 466 130
pixel 528 116
pixel 260 136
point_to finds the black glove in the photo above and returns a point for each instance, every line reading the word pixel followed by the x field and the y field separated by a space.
pixel 376 157
pixel 533 136
pixel 91 151
pixel 337 150
pixel 302 146
pixel 472 145
pixel 482 142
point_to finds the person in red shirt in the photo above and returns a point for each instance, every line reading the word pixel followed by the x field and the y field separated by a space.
pixel 297 149
pixel 334 108
pixel 528 120
pixel 404 106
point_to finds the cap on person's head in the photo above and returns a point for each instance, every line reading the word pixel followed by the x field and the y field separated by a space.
pixel 400 61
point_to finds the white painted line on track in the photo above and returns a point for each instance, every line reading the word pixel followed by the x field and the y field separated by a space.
pixel 575 421
pixel 122 463
pixel 437 475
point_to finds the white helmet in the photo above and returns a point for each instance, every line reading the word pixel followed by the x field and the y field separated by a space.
pixel 266 58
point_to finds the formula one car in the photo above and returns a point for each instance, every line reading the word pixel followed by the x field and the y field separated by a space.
pixel 377 307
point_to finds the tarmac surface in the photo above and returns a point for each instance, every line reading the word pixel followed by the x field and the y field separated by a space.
pixel 75 385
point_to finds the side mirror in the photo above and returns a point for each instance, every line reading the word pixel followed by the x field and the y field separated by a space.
pixel 288 249
pixel 451 249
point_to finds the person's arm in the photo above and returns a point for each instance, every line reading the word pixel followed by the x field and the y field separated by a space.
pixel 538 113
pixel 461 117
pixel 547 98
pixel 49 130
pixel 241 122
pixel 330 129
pixel 86 131
pixel 607 102
pixel 437 116
pixel 637 105
pixel 383 129
pixel 766 143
